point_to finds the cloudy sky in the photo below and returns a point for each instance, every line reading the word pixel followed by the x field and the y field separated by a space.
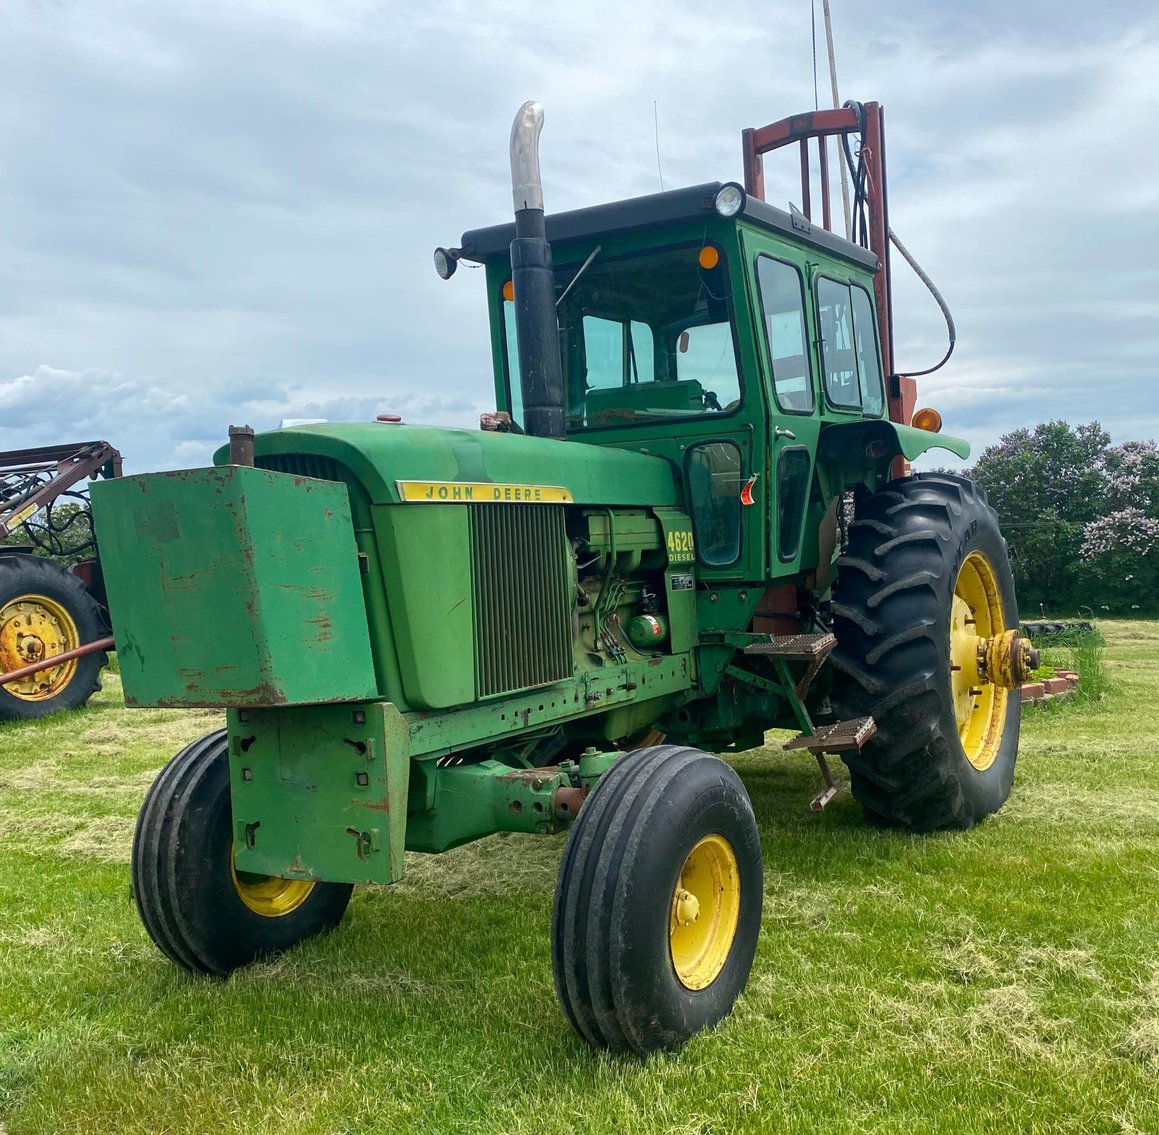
pixel 224 211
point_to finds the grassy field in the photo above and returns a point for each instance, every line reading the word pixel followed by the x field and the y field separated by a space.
pixel 1005 979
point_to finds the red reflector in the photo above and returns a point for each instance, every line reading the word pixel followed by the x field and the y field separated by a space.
pixel 746 494
pixel 389 418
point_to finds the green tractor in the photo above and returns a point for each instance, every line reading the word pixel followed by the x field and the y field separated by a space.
pixel 687 523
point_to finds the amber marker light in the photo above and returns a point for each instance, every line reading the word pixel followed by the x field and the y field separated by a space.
pixel 509 290
pixel 709 257
pixel 927 419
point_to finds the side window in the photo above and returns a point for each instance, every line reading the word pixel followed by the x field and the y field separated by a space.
pixel 833 313
pixel 604 352
pixel 868 359
pixel 792 496
pixel 783 308
pixel 715 479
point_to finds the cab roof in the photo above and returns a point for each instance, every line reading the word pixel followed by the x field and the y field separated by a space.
pixel 693 203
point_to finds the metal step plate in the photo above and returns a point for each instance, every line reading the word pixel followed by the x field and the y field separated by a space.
pixel 795 647
pixel 840 737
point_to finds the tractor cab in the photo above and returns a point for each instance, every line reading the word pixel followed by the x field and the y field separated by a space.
pixel 707 327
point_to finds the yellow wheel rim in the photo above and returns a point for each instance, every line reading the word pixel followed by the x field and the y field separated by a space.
pixel 33 627
pixel 704 912
pixel 979 705
pixel 268 895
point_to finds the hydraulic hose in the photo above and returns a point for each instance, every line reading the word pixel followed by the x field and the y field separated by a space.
pixel 859 173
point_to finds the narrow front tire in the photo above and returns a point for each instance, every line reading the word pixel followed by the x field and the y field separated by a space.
pixel 201 912
pixel 658 904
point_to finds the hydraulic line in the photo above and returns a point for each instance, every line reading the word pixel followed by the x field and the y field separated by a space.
pixel 951 330
pixel 860 234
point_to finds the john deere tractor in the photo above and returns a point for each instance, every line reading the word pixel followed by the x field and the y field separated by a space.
pixel 688 522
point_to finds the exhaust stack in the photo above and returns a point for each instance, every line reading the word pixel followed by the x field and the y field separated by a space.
pixel 536 329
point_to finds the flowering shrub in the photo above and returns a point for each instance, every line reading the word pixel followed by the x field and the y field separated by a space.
pixel 1081 516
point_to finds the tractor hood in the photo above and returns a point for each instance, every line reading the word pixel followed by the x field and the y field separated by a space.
pixel 395 462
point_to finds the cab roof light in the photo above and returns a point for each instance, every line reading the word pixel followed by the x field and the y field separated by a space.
pixel 729 200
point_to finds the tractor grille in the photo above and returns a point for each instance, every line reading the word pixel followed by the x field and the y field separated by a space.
pixel 302 465
pixel 522 606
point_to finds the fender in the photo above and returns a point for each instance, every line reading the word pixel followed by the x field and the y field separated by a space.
pixel 840 439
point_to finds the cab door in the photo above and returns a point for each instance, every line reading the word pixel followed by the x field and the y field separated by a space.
pixel 786 351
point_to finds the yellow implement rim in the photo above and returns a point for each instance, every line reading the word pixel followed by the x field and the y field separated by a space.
pixel 33 627
pixel 704 912
pixel 268 895
pixel 979 705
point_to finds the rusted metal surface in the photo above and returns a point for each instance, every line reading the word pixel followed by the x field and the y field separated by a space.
pixel 827 793
pixel 840 737
pixel 1007 659
pixel 30 479
pixel 241 445
pixel 56 660
pixel 567 802
pixel 797 647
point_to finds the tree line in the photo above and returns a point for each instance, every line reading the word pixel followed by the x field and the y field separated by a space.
pixel 1081 517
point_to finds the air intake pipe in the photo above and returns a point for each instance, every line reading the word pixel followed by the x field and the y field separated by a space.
pixel 536 329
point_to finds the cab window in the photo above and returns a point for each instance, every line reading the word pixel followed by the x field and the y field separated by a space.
pixel 643 338
pixel 849 347
pixel 868 359
pixel 715 474
pixel 783 318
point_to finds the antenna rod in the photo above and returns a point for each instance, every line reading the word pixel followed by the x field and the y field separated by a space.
pixel 837 106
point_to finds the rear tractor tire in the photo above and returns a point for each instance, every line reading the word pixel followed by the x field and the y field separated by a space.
pixel 658 904
pixel 201 912
pixel 44 611
pixel 927 632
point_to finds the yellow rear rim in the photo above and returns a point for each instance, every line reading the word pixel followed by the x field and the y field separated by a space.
pixel 704 912
pixel 268 895
pixel 33 627
pixel 979 705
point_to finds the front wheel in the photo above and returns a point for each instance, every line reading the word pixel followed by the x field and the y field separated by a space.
pixel 658 904
pixel 200 911
pixel 926 623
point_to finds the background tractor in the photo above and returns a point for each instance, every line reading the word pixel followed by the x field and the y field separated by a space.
pixel 424 636
pixel 52 596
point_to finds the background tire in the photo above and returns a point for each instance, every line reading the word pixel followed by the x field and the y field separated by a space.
pixel 920 552
pixel 44 607
pixel 615 950
pixel 199 912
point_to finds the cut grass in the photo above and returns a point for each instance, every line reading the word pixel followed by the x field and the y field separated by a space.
pixel 1004 979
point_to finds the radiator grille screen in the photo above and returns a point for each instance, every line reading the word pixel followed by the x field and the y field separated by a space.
pixel 302 465
pixel 522 606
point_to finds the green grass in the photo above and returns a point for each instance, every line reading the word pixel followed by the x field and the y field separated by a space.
pixel 1005 979
pixel 1084 652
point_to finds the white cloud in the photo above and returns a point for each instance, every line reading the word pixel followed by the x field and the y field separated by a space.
pixel 228 208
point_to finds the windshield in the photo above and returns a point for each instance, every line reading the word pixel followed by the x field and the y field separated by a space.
pixel 643 338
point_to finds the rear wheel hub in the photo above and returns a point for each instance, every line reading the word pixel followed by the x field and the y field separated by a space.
pixel 986 660
pixel 33 627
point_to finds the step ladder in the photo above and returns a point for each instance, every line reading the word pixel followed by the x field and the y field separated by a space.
pixel 838 737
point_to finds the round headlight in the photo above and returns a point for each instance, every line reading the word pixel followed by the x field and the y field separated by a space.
pixel 729 200
pixel 445 263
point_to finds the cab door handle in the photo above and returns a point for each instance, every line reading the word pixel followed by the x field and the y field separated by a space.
pixel 778 432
